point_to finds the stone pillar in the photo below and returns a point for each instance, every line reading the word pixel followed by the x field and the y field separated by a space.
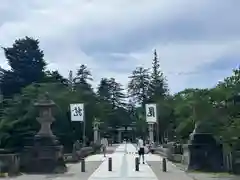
pixel 150 130
pixel 119 136
pixel 95 136
pixel 99 136
pixel 95 131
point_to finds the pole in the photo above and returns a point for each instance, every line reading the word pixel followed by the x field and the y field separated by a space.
pixel 110 164
pixel 137 164
pixel 157 132
pixel 84 131
pixel 164 165
pixel 83 165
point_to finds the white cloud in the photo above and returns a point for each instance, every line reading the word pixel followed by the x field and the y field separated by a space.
pixel 72 32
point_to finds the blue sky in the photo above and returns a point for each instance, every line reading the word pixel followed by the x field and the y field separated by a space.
pixel 198 41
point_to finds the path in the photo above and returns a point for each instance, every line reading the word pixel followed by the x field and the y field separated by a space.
pixel 123 168
pixel 74 170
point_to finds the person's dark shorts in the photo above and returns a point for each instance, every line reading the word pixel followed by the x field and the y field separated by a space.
pixel 141 151
pixel 104 148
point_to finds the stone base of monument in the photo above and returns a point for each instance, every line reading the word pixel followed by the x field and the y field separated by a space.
pixel 9 163
pixel 203 153
pixel 236 162
pixel 44 156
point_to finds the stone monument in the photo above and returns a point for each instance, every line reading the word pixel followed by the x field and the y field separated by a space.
pixel 45 154
pixel 203 152
pixel 120 130
pixel 96 124
pixel 150 130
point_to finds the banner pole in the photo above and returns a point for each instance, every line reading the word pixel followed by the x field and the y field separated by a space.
pixel 84 129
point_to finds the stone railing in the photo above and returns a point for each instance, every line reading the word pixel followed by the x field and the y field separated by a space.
pixel 10 164
pixel 82 153
pixel 167 152
pixel 236 162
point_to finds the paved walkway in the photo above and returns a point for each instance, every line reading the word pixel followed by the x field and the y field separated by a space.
pixel 123 168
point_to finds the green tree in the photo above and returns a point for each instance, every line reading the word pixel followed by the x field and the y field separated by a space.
pixel 83 75
pixel 138 85
pixel 54 76
pixel 116 93
pixel 157 87
pixel 111 99
pixel 27 65
pixel 112 92
pixel 216 110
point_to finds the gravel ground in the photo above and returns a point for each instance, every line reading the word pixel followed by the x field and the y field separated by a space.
pixel 176 172
pixel 212 176
pixel 172 173
pixel 74 171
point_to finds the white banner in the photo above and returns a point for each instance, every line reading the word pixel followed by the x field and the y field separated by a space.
pixel 151 113
pixel 77 112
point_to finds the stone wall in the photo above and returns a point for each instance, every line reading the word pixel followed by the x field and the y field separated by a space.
pixel 236 162
pixel 10 164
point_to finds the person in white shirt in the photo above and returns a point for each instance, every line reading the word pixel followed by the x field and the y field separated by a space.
pixel 104 143
pixel 141 149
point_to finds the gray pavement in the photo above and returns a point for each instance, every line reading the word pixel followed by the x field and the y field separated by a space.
pixel 176 172
pixel 111 149
pixel 212 176
pixel 74 170
pixel 173 173
pixel 74 173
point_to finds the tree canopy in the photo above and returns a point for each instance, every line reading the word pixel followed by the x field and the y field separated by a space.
pixel 215 110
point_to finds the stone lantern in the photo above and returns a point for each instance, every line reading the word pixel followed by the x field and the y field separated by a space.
pixel 45 154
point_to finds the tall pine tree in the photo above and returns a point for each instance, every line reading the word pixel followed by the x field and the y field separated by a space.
pixel 83 79
pixel 112 92
pixel 157 88
pixel 138 85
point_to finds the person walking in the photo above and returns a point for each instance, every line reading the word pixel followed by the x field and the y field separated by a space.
pixel 141 150
pixel 104 143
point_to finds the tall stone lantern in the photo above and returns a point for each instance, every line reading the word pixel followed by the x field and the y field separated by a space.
pixel 45 155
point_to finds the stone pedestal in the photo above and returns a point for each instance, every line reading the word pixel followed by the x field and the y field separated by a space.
pixel 99 136
pixel 150 130
pixel 95 136
pixel 120 130
pixel 236 162
pixel 45 154
pixel 96 133
pixel 119 136
pixel 203 153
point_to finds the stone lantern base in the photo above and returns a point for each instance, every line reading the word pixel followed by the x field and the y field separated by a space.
pixel 203 153
pixel 44 156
